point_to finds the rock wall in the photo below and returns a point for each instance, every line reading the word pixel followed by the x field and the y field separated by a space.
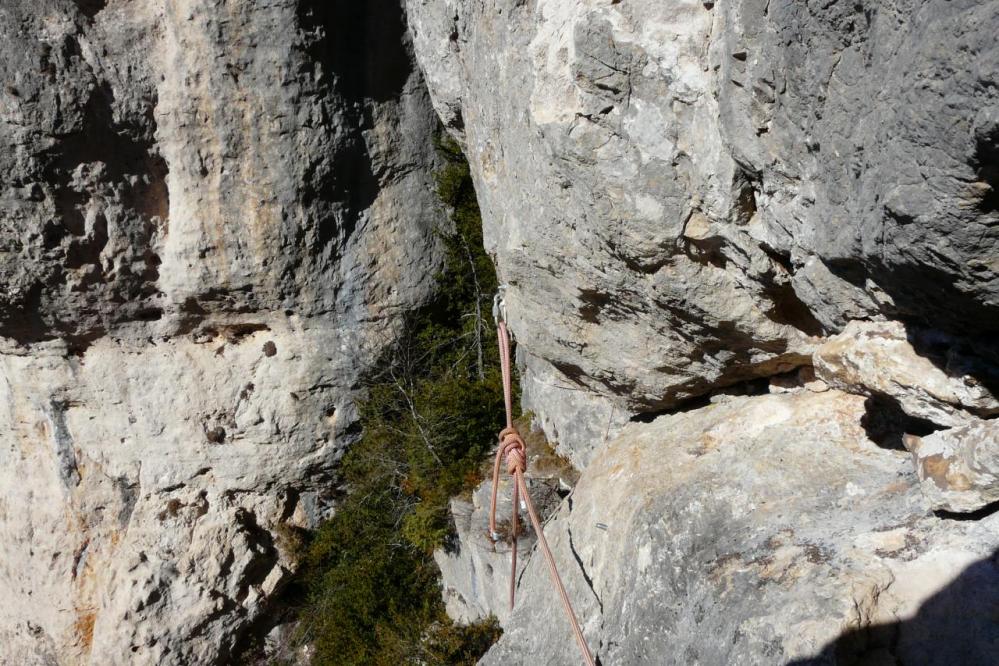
pixel 750 251
pixel 759 530
pixel 212 215
pixel 766 233
pixel 684 195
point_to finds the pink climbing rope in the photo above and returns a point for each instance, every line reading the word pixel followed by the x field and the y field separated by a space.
pixel 512 449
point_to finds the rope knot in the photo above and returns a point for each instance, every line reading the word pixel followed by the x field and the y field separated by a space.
pixel 513 449
pixel 511 446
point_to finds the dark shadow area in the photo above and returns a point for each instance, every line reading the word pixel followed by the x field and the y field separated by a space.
pixel 957 626
pixel 748 387
pixel 688 405
pixel 951 327
pixel 923 295
pixel 363 44
pixel 90 8
pixel 789 309
pixel 886 424
pixel 972 356
pixel 361 48
pixel 984 512
pixel 986 163
pixel 592 302
pixel 24 322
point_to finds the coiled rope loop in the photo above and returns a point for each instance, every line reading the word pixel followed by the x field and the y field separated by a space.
pixel 512 450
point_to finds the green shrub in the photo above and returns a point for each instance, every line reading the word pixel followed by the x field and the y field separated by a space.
pixel 372 592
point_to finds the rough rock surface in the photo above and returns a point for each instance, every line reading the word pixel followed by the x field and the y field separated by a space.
pixel 681 194
pixel 475 568
pixel 595 141
pixel 878 358
pixel 759 530
pixel 578 422
pixel 213 212
pixel 475 572
pixel 688 199
pixel 211 215
pixel 959 468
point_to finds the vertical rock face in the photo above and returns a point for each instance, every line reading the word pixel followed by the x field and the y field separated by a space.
pixel 685 197
pixel 212 214
pixel 596 140
pixel 681 195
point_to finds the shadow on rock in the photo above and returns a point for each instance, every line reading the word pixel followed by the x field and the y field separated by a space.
pixel 959 625
pixel 974 356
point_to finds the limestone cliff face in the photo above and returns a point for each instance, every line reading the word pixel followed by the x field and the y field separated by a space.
pixel 212 214
pixel 684 195
pixel 751 253
pixel 787 211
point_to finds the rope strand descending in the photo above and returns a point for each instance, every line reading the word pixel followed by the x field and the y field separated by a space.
pixel 514 452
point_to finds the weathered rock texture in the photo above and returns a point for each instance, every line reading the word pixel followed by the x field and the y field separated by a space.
pixel 475 568
pixel 759 530
pixel 687 197
pixel 959 468
pixel 877 358
pixel 211 215
pixel 213 212
pixel 680 195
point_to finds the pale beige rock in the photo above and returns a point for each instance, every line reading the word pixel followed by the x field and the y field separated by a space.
pixel 758 531
pixel 959 467
pixel 685 197
pixel 210 227
pixel 475 575
pixel 145 486
pixel 877 358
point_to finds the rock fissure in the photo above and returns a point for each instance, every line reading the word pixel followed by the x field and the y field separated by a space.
pixel 582 567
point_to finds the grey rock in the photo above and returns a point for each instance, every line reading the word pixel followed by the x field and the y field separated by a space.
pixel 761 530
pixel 616 214
pixel 959 467
pixel 685 197
pixel 475 568
pixel 576 420
pixel 212 217
pixel 682 194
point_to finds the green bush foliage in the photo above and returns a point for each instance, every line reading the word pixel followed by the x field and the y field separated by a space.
pixel 431 413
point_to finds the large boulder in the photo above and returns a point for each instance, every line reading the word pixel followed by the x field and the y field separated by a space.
pixel 959 467
pixel 759 530
pixel 881 359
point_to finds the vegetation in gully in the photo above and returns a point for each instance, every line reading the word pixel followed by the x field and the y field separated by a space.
pixel 370 588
